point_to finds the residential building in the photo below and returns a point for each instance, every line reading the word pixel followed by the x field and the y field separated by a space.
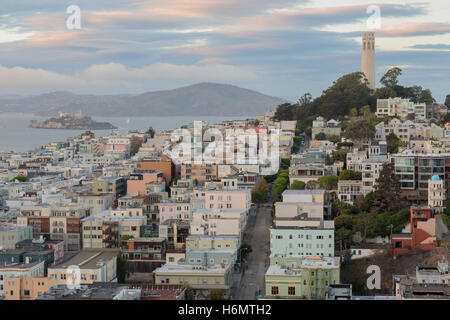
pixel 138 181
pixel 201 279
pixel 199 173
pixel 436 194
pixel 171 209
pixel 329 128
pixel 348 190
pixel 26 288
pixel 301 278
pixel 98 202
pixel 94 265
pixel 9 273
pixel 11 235
pixel 109 184
pixel 426 230
pixel 161 164
pixel 144 254
pixel 105 229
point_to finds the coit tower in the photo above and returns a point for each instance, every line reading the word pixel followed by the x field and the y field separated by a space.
pixel 368 58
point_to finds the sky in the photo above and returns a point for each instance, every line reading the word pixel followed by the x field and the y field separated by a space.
pixel 282 48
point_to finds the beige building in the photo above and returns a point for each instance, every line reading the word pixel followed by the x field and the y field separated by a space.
pixel 223 222
pixel 26 288
pixel 97 202
pixel 305 172
pixel 203 242
pixel 104 230
pixel 227 199
pixel 9 274
pixel 198 173
pixel 94 266
pixel 197 277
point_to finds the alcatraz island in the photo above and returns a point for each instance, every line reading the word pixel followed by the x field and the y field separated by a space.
pixel 71 121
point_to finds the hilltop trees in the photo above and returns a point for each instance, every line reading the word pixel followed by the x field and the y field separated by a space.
pixel 349 96
pixel 390 78
pixel 392 88
pixel 345 93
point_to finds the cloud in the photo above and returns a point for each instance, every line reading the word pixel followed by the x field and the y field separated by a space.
pixel 413 29
pixel 437 46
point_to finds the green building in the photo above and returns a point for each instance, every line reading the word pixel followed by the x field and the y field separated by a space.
pixel 298 277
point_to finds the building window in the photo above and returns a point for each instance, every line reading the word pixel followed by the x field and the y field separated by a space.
pixel 274 291
pixel 291 291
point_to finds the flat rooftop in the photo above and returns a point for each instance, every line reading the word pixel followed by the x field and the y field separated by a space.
pixel 88 259
pixel 177 268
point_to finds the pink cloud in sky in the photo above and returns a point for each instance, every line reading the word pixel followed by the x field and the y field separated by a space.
pixel 413 29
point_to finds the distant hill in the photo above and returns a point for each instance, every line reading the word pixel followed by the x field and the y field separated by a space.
pixel 203 99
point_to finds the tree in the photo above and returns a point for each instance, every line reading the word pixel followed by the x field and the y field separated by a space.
pixel 305 99
pixel 284 112
pixel 260 191
pixel 122 269
pixel 151 132
pixel 285 163
pixel 350 175
pixel 334 138
pixel 426 96
pixel 136 145
pixel 365 111
pixel 280 184
pixel 308 131
pixel 297 185
pixel 353 112
pixel 447 100
pixel 321 136
pixel 312 185
pixel 340 155
pixel 19 178
pixel 360 131
pixel 328 182
pixel 393 143
pixel 390 78
pixel 385 93
pixel 387 190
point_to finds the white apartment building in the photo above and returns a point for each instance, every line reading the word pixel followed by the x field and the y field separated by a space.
pixel 403 130
pixel 371 168
pixel 348 190
pixel 394 107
